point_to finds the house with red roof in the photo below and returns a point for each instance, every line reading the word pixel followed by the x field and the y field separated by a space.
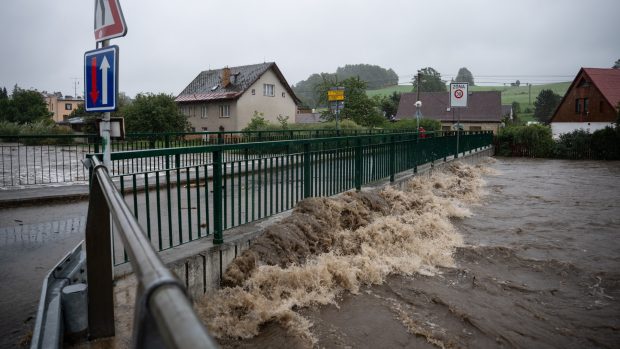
pixel 591 102
pixel 483 113
pixel 226 99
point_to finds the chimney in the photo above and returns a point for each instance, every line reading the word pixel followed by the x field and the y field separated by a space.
pixel 225 77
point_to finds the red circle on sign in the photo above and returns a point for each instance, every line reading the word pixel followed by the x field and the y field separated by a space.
pixel 458 93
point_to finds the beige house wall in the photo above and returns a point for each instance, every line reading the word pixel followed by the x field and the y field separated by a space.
pixel 281 104
pixel 212 121
pixel 58 107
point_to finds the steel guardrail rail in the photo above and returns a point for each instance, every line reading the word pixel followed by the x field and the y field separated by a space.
pixel 161 299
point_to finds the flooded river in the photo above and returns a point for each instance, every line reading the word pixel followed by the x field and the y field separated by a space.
pixel 525 253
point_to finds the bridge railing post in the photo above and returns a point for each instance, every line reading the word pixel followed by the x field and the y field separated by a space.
pixel 307 171
pixel 392 154
pixel 99 264
pixel 218 237
pixel 358 164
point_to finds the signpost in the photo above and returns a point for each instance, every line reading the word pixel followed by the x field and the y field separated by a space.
pixel 335 96
pixel 458 99
pixel 101 68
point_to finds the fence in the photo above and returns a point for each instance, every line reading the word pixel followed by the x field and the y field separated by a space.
pixel 46 159
pixel 177 202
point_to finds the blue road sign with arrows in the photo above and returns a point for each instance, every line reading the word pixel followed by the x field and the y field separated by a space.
pixel 101 79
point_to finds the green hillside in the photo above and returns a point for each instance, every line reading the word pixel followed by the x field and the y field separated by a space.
pixel 509 93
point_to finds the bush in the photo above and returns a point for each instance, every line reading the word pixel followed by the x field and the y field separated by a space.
pixel 45 127
pixel 410 124
pixel 606 143
pixel 533 140
pixel 9 129
pixel 38 128
pixel 573 145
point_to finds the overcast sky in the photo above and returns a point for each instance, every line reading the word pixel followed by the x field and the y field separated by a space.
pixel 168 43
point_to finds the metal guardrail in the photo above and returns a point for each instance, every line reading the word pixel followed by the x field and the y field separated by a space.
pixel 50 319
pixel 46 159
pixel 164 314
pixel 241 183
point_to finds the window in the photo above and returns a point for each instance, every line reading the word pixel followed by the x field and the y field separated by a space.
pixel 224 111
pixel 475 128
pixel 253 92
pixel 269 90
pixel 586 105
pixel 203 112
pixel 577 106
pixel 185 110
pixel 68 106
pixel 283 94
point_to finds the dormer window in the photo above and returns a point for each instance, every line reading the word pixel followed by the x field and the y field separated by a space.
pixel 583 83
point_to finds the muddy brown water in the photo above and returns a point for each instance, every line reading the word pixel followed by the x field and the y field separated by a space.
pixel 538 266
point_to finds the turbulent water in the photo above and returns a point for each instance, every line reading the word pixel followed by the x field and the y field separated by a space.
pixel 534 265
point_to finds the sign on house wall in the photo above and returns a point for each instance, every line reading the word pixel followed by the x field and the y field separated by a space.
pixel 458 94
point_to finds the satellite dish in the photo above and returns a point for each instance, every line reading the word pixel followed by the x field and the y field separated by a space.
pixel 214 87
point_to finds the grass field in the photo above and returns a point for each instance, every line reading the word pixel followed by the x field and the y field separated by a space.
pixel 510 94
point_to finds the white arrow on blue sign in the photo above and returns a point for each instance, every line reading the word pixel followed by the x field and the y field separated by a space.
pixel 101 79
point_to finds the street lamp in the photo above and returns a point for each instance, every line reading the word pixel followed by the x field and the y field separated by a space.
pixel 418 105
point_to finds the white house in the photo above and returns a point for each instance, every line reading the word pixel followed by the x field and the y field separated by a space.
pixel 226 99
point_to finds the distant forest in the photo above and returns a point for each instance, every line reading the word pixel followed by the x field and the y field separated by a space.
pixel 375 77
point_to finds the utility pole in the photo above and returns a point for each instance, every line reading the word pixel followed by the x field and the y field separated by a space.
pixel 529 87
pixel 418 104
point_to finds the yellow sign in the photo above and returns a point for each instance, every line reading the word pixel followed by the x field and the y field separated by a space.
pixel 335 95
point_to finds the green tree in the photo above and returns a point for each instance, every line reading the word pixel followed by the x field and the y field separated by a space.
pixel 388 104
pixel 154 113
pixel 545 105
pixel 310 90
pixel 374 75
pixel 617 64
pixel 24 106
pixel 3 94
pixel 358 107
pixel 430 81
pixel 464 75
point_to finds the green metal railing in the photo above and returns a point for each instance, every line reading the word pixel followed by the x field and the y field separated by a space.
pixel 241 183
pixel 45 159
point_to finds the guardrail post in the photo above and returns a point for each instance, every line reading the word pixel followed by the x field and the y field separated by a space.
pixel 97 141
pixel 218 236
pixel 99 264
pixel 167 145
pixel 392 158
pixel 307 171
pixel 416 153
pixel 358 164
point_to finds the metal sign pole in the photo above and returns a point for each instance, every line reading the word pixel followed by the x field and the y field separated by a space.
pixel 458 134
pixel 105 131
